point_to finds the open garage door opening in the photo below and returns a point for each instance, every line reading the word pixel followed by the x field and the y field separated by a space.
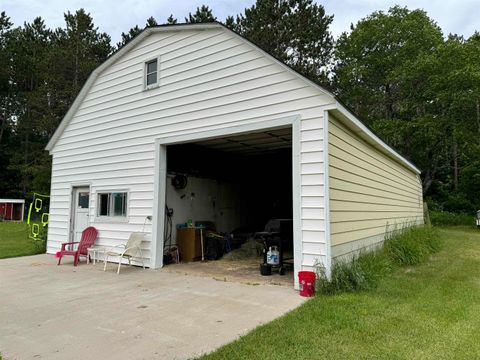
pixel 229 203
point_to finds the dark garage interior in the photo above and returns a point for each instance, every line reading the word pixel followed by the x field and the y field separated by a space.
pixel 229 205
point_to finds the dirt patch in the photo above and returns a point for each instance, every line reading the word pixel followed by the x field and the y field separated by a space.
pixel 245 271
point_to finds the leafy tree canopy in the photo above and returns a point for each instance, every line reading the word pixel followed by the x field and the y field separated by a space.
pixel 420 92
pixel 370 57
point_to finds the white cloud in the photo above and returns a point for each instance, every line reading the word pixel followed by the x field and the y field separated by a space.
pixel 452 16
pixel 115 17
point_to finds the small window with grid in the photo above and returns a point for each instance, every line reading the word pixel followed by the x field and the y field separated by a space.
pixel 151 73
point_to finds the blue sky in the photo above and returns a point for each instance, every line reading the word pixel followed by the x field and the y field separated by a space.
pixel 113 17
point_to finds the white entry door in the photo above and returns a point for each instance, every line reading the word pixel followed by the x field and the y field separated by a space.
pixel 80 213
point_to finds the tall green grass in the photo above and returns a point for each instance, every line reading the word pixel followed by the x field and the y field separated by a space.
pixel 403 247
pixel 411 246
pixel 361 272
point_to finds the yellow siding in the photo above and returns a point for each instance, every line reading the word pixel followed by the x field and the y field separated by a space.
pixel 370 193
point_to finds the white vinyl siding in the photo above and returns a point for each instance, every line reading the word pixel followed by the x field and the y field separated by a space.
pixel 209 79
pixel 370 193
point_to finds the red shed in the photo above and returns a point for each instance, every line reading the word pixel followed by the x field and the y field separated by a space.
pixel 12 209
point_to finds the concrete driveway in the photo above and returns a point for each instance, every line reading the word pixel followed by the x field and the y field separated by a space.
pixel 61 312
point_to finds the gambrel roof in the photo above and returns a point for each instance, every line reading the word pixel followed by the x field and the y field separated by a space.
pixel 337 108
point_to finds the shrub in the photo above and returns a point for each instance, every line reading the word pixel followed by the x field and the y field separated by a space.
pixel 445 218
pixel 40 246
pixel 458 203
pixel 433 205
pixel 411 246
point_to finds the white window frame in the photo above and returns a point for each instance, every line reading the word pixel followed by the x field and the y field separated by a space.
pixel 111 218
pixel 157 83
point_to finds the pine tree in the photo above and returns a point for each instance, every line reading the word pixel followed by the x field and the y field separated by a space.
pixel 28 47
pixel 47 71
pixel 203 14
pixel 8 107
pixel 127 37
pixel 294 31
pixel 5 25
pixel 171 20
pixel 151 22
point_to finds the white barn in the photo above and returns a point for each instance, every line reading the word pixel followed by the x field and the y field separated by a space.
pixel 202 86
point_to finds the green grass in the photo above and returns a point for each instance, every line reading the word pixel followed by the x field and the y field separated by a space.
pixel 14 241
pixel 427 311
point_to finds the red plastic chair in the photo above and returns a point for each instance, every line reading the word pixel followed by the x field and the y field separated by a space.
pixel 89 235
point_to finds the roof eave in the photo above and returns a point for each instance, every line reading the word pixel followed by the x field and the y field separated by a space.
pixel 93 76
pixel 360 128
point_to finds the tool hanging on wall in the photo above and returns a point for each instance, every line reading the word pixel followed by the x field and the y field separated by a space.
pixel 170 253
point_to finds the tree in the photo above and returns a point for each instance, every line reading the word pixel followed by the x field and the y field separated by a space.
pixel 171 20
pixel 376 75
pixel 8 107
pixel 203 14
pixel 419 92
pixel 445 85
pixel 151 22
pixel 5 26
pixel 127 37
pixel 473 48
pixel 370 58
pixel 454 94
pixel 134 31
pixel 27 49
pixel 47 69
pixel 83 45
pixel 294 31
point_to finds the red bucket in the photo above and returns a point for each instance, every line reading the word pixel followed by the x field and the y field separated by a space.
pixel 307 283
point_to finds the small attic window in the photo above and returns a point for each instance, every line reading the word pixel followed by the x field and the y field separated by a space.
pixel 151 73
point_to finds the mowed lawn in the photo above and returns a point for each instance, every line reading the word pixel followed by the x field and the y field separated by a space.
pixel 430 311
pixel 14 241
